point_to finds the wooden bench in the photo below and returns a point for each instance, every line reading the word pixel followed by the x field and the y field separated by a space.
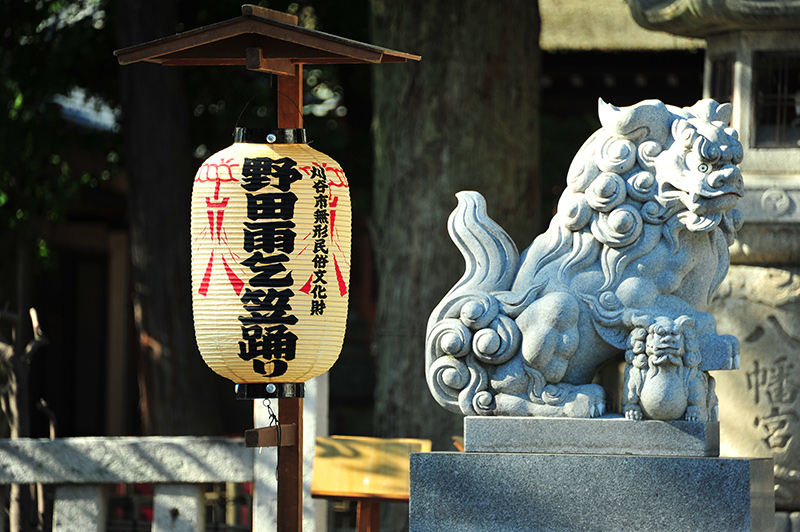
pixel 367 470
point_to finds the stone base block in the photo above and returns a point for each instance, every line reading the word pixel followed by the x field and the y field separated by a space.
pixel 608 435
pixel 507 492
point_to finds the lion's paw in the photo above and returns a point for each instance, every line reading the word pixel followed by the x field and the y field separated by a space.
pixel 692 413
pixel 633 412
pixel 585 401
pixel 567 400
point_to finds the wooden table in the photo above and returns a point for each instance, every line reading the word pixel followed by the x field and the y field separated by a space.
pixel 367 470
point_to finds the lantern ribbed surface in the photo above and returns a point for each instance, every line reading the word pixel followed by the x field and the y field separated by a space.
pixel 271 230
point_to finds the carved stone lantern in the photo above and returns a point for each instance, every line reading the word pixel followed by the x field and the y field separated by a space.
pixel 753 61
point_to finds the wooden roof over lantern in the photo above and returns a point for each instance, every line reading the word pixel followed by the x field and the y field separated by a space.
pixel 261 39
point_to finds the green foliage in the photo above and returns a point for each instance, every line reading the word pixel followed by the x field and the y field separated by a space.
pixel 49 48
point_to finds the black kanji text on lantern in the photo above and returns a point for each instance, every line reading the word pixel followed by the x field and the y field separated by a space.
pixel 319 233
pixel 268 238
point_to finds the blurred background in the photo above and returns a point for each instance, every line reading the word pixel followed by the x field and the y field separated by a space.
pixel 97 161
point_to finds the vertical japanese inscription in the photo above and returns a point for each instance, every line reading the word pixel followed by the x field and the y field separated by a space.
pixel 775 386
pixel 269 238
pixel 318 289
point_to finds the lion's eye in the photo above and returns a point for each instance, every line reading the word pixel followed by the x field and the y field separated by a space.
pixel 703 167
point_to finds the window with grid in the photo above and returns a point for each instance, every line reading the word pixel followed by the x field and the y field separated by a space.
pixel 776 90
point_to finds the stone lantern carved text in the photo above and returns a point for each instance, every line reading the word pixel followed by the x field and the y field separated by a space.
pixel 761 401
pixel 630 262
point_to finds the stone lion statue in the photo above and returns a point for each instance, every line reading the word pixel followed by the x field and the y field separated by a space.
pixel 642 229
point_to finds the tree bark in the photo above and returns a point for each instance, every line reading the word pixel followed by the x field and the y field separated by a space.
pixel 465 117
pixel 17 396
pixel 178 393
pixel 15 357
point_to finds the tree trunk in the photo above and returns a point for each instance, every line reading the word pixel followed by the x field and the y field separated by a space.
pixel 24 514
pixel 178 393
pixel 17 395
pixel 465 117
pixel 19 390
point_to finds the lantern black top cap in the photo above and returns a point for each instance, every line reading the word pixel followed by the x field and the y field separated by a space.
pixel 261 39
pixel 269 136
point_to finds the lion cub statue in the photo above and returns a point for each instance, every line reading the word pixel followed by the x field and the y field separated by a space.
pixel 642 230
pixel 662 379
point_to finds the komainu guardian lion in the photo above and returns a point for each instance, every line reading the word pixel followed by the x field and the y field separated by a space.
pixel 641 233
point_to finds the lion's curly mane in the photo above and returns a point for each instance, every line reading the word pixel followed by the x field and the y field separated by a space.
pixel 614 211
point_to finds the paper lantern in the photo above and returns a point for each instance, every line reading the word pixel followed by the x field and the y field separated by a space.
pixel 271 226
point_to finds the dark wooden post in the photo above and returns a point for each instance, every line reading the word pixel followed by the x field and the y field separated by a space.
pixel 290 468
pixel 290 410
pixel 290 99
pixel 368 515
pixel 287 435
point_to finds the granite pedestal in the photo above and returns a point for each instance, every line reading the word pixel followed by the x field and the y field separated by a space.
pixel 505 491
pixel 611 435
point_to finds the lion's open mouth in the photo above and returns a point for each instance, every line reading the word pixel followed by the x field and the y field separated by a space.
pixel 703 202
pixel 717 202
pixel 729 191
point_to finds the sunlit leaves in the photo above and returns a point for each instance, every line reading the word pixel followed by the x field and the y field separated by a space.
pixel 324 96
pixel 306 15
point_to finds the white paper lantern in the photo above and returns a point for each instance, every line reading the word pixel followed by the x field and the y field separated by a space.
pixel 271 225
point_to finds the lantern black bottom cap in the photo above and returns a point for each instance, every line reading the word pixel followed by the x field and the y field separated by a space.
pixel 271 390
